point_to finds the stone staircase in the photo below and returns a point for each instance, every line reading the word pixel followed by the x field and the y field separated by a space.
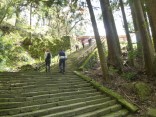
pixel 36 94
pixel 53 95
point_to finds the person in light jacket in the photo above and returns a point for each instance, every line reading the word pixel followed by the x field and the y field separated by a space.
pixel 62 58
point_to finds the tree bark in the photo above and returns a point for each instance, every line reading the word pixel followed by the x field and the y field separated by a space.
pixel 130 46
pixel 151 8
pixel 17 15
pixel 30 18
pixel 98 42
pixel 114 52
pixel 138 35
pixel 148 50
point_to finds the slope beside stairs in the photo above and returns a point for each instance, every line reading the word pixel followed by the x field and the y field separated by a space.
pixel 36 94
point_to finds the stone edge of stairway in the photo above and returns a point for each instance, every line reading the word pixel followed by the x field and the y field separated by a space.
pixel 131 107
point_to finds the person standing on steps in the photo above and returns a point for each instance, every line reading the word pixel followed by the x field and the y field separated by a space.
pixel 83 45
pixel 77 47
pixel 47 57
pixel 62 58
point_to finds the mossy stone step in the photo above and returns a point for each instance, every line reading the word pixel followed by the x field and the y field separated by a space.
pixel 36 101
pixel 8 105
pixel 49 84
pixel 119 113
pixel 101 112
pixel 76 106
pixel 11 88
pixel 38 91
pixel 49 105
pixel 35 93
pixel 85 109
pixel 34 79
pixel 65 86
pixel 42 89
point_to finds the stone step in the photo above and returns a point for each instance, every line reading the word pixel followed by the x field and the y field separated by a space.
pixel 49 105
pixel 119 113
pixel 29 79
pixel 52 86
pixel 32 73
pixel 81 110
pixel 37 93
pixel 39 84
pixel 88 105
pixel 53 91
pixel 18 91
pixel 24 80
pixel 43 99
pixel 101 112
pixel 17 85
pixel 27 74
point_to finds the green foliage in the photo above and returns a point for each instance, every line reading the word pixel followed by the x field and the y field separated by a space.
pixel 129 75
pixel 90 61
pixel 12 54
pixel 143 90
pixel 134 54
pixel 112 70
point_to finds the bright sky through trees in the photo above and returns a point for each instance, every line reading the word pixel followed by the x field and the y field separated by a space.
pixel 117 17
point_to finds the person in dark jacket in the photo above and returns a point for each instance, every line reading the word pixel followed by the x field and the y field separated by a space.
pixel 62 58
pixel 47 56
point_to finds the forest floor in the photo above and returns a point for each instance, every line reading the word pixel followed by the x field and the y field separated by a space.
pixel 122 84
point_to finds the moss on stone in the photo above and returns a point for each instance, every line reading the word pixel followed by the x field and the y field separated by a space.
pixel 82 76
pixel 109 92
pixel 151 112
pixel 87 60
pixel 143 90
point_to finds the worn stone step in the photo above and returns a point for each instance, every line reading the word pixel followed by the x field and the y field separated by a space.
pixel 13 77
pixel 63 108
pixel 9 105
pixel 22 79
pixel 101 112
pixel 44 99
pixel 33 73
pixel 52 86
pixel 13 97
pixel 38 91
pixel 119 113
pixel 53 91
pixel 49 105
pixel 13 86
pixel 49 95
pixel 17 91
pixel 81 110
pixel 27 80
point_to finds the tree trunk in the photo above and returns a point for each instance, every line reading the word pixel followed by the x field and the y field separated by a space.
pixel 114 53
pixel 145 16
pixel 30 18
pixel 17 15
pixel 151 8
pixel 138 35
pixel 5 12
pixel 148 50
pixel 130 47
pixel 98 42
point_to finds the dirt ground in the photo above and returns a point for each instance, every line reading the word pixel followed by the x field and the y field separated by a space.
pixel 118 82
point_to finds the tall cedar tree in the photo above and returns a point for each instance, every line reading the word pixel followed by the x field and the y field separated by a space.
pixel 98 42
pixel 114 51
pixel 130 46
pixel 148 50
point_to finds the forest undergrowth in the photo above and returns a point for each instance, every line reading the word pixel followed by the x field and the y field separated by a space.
pixel 133 84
